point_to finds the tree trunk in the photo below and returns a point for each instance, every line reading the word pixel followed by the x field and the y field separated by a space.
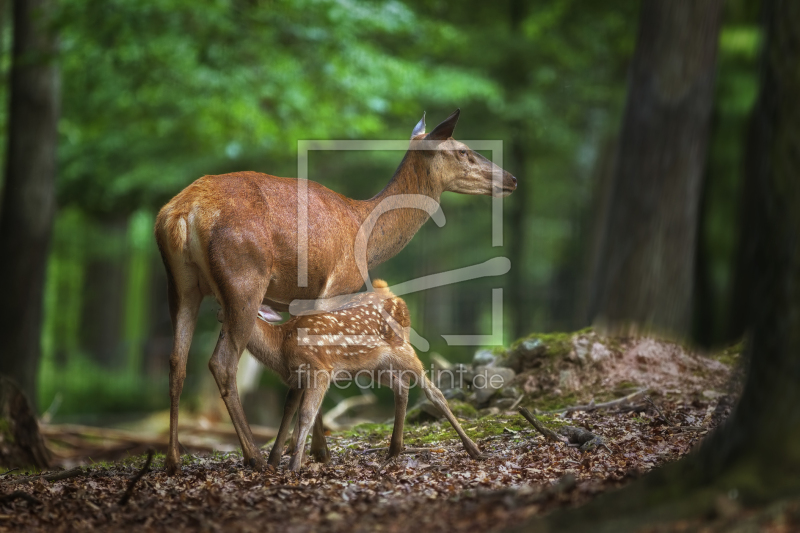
pixel 754 456
pixel 21 444
pixel 647 247
pixel 28 198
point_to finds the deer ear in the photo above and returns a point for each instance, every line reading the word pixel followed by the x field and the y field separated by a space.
pixel 445 129
pixel 420 127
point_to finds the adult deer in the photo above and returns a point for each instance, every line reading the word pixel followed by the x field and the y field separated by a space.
pixel 236 237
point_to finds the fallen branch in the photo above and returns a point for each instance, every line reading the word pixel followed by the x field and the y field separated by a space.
pixel 135 480
pixel 19 495
pixel 619 403
pixel 55 476
pixel 664 417
pixel 580 438
pixel 548 433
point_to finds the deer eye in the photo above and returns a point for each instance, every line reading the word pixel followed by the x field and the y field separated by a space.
pixel 462 152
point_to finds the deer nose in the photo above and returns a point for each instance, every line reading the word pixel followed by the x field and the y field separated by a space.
pixel 514 181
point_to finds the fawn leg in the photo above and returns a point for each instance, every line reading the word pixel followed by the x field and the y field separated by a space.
pixel 292 402
pixel 437 398
pixel 400 387
pixel 309 407
pixel 319 446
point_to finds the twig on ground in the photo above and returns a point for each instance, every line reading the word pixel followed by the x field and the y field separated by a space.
pixel 135 480
pixel 664 417
pixel 516 403
pixel 619 402
pixel 55 476
pixel 548 433
pixel 7 472
pixel 579 438
pixel 19 495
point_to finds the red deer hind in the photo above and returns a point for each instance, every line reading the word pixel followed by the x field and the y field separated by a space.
pixel 235 237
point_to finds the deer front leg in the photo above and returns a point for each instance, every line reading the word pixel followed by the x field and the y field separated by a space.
pixel 292 402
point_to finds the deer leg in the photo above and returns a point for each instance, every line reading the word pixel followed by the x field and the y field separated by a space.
pixel 309 407
pixel 437 398
pixel 183 306
pixel 292 402
pixel 400 387
pixel 240 315
pixel 319 446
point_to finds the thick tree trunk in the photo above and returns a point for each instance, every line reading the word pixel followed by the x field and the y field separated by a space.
pixel 754 456
pixel 21 444
pixel 28 198
pixel 647 248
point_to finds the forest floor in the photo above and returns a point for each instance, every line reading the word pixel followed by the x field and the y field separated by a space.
pixel 435 485
pixel 438 489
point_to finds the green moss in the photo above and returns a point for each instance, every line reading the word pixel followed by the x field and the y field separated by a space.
pixel 442 432
pixel 731 355
pixel 369 430
pixel 557 345
pixel 552 402
pixel 462 409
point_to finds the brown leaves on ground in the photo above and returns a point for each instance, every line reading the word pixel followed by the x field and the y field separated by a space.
pixel 437 490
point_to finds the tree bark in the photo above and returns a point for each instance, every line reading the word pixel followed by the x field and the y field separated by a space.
pixel 28 198
pixel 21 444
pixel 647 248
pixel 754 456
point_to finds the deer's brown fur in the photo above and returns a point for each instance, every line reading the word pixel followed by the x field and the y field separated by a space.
pixel 368 336
pixel 235 237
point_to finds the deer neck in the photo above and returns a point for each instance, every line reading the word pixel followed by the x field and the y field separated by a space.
pixel 393 229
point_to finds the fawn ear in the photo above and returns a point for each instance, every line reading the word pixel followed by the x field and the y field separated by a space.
pixel 444 130
pixel 419 129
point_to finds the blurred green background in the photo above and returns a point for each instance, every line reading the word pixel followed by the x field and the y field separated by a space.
pixel 156 94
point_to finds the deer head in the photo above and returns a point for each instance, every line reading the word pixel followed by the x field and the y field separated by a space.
pixel 457 167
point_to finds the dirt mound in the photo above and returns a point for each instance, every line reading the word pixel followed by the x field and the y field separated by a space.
pixel 585 362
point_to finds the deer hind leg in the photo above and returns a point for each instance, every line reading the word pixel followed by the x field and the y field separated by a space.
pixel 184 302
pixel 240 303
pixel 292 403
pixel 319 446
pixel 399 384
pixel 309 408
pixel 437 398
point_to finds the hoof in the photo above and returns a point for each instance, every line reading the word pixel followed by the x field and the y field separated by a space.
pixel 321 456
pixel 256 463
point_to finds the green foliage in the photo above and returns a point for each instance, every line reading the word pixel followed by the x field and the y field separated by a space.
pixel 82 386
pixel 178 89
pixel 156 94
